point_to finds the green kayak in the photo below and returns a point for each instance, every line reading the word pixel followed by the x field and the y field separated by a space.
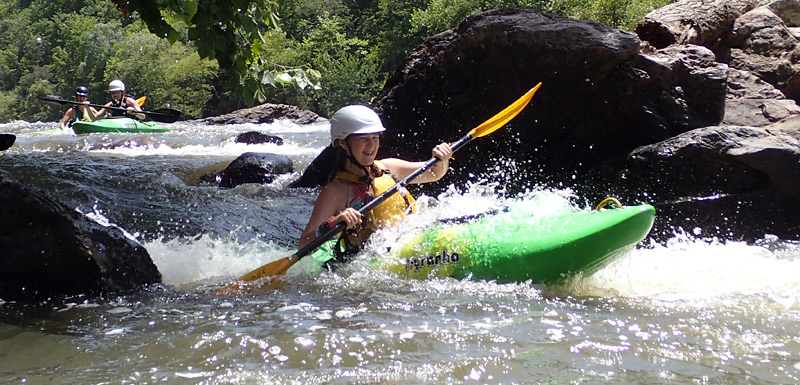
pixel 516 247
pixel 117 124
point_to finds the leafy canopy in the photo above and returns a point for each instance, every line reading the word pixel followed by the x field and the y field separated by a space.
pixel 231 32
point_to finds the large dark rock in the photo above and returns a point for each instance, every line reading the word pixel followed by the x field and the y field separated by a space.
pixel 47 248
pixel 600 97
pixel 254 167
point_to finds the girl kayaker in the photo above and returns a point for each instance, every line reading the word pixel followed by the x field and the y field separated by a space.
pixel 77 113
pixel 357 178
pixel 119 100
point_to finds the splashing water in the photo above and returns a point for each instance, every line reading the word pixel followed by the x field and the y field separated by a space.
pixel 691 310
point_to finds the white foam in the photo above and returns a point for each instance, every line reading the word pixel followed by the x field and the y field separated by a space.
pixel 688 269
pixel 207 259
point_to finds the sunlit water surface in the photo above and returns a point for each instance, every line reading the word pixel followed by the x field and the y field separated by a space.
pixel 692 310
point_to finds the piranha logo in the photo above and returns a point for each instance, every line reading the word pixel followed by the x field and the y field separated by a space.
pixel 417 263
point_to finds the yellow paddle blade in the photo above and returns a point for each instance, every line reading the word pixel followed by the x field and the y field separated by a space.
pixel 141 100
pixel 278 267
pixel 503 117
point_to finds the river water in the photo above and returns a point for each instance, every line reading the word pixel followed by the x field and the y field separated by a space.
pixel 690 311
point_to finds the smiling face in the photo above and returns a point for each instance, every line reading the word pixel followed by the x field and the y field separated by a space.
pixel 363 147
pixel 116 95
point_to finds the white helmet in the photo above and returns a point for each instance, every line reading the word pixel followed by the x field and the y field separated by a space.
pixel 116 85
pixel 355 119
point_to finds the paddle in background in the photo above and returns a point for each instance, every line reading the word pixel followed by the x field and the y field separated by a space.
pixel 6 141
pixel 166 115
pixel 279 267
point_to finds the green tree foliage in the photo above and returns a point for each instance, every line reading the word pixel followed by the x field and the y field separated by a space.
pixel 351 68
pixel 53 46
pixel 233 32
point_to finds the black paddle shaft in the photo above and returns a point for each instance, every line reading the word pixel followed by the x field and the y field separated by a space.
pixel 309 248
pixel 166 115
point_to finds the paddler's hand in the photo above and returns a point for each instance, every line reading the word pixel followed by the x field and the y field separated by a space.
pixel 134 113
pixel 350 216
pixel 443 152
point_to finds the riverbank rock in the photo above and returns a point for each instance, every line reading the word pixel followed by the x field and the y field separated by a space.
pixel 757 39
pixel 50 249
pixel 731 182
pixel 754 102
pixel 265 113
pixel 254 167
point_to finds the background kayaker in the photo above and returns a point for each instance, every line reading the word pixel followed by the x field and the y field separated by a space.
pixel 119 100
pixel 356 178
pixel 77 113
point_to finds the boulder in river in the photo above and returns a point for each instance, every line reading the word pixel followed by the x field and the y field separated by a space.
pixel 254 167
pixel 48 248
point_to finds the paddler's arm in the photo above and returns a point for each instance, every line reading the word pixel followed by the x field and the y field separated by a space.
pixel 93 113
pixel 65 120
pixel 401 168
pixel 89 112
pixel 134 107
pixel 328 213
pixel 102 113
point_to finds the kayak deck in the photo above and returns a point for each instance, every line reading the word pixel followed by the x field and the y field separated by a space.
pixel 117 124
pixel 508 247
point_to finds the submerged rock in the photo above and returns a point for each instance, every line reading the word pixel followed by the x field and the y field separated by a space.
pixel 254 137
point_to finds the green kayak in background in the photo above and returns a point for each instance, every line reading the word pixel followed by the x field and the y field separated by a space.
pixel 117 124
pixel 516 247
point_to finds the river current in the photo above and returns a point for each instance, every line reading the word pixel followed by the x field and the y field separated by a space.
pixel 691 310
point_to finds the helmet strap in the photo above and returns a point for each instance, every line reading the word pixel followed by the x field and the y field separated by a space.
pixel 367 178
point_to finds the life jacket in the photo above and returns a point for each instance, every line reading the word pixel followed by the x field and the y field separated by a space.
pixel 389 212
pixel 79 116
pixel 121 103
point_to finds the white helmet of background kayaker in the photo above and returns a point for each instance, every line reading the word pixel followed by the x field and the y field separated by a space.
pixel 354 119
pixel 116 85
pixel 82 91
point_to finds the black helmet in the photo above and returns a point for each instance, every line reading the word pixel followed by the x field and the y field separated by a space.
pixel 81 91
